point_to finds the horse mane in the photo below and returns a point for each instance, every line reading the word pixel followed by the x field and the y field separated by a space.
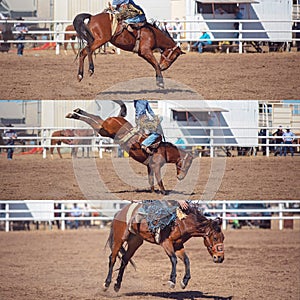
pixel 156 23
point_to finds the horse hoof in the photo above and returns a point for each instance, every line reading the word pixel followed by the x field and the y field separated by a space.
pixel 77 110
pixel 183 286
pixel 165 193
pixel 69 116
pixel 105 287
pixel 171 284
pixel 161 85
pixel 91 72
pixel 79 77
pixel 116 288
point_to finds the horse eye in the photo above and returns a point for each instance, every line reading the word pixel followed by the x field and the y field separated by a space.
pixel 215 239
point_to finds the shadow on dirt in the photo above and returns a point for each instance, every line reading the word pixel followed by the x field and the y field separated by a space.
pixel 193 295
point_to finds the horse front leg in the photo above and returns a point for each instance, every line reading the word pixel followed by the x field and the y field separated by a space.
pixel 150 178
pixel 169 249
pixel 187 276
pixel 150 58
pixel 159 180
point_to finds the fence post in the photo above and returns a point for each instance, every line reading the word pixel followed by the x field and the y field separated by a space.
pixel 224 221
pixel 267 142
pixel 211 142
pixel 63 214
pixel 240 37
pixel 7 217
pixel 100 149
pixel 280 206
pixel 44 143
pixel 57 38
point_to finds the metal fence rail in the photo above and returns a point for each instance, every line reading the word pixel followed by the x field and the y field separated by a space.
pixel 214 139
pixel 43 211
pixel 57 32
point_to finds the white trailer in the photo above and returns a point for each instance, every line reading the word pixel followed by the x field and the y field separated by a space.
pixel 274 16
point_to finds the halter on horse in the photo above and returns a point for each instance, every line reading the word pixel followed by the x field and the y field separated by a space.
pixel 119 129
pixel 126 229
pixel 103 28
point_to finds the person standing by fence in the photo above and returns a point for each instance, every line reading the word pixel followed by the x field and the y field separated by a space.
pixel 288 138
pixel 22 30
pixel 279 132
pixel 11 137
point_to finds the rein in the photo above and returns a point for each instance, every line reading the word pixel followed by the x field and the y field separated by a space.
pixel 183 161
pixel 167 58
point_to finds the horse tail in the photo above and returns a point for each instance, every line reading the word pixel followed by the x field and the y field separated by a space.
pixel 123 111
pixel 82 29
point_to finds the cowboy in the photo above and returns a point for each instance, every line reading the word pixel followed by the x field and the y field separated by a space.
pixel 148 122
pixel 129 11
pixel 161 214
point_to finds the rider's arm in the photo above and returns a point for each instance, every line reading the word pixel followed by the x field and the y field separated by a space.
pixel 183 204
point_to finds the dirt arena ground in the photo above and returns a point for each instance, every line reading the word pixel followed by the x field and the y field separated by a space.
pixel 259 264
pixel 42 75
pixel 32 177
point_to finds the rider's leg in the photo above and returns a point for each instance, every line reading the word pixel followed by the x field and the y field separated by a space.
pixel 149 141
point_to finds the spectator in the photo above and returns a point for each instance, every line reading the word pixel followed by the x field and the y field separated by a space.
pixel 12 136
pixel 57 206
pixel 204 40
pixel 177 31
pixel 75 214
pixel 22 30
pixel 238 13
pixel 148 122
pixel 87 214
pixel 288 138
pixel 238 16
pixel 180 143
pixel 279 132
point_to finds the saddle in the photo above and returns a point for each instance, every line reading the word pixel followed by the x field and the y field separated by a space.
pixel 131 27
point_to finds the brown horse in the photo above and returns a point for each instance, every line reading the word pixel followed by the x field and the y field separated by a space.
pixel 129 227
pixel 103 28
pixel 69 35
pixel 71 135
pixel 123 133
pixel 56 139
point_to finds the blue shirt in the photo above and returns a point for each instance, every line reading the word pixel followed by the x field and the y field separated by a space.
pixel 142 107
pixel 205 36
pixel 288 136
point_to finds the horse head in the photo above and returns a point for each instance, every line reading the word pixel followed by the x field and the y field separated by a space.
pixel 168 56
pixel 213 240
pixel 183 164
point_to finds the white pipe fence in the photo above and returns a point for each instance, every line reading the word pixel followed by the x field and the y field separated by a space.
pixel 43 139
pixel 56 34
pixel 41 211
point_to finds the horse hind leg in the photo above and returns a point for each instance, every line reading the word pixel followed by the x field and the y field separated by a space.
pixel 134 243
